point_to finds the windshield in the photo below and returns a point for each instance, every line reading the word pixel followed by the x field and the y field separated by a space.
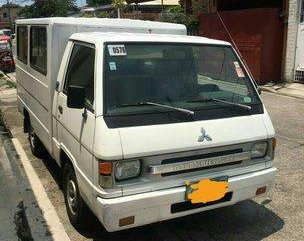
pixel 195 77
pixel 7 32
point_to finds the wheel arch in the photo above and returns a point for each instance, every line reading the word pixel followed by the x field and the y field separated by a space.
pixel 26 120
pixel 66 157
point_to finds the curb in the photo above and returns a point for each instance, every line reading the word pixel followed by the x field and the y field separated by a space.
pixel 49 213
pixel 265 89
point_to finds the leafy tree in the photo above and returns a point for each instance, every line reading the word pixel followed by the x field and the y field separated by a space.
pixel 118 5
pixel 190 17
pixel 48 8
pixel 95 3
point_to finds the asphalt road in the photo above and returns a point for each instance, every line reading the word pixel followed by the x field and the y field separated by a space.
pixel 277 216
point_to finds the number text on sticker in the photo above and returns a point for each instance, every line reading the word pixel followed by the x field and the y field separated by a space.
pixel 117 50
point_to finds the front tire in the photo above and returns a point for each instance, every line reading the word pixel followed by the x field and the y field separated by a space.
pixel 76 208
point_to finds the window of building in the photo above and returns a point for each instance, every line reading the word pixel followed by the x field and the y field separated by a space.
pixel 4 15
pixel 38 49
pixel 80 71
pixel 22 43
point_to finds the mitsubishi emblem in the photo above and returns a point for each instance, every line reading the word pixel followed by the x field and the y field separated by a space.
pixel 204 136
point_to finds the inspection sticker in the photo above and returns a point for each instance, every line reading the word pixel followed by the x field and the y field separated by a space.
pixel 112 66
pixel 117 50
pixel 236 64
pixel 239 72
pixel 247 99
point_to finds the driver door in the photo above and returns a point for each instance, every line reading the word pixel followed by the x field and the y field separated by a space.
pixel 76 126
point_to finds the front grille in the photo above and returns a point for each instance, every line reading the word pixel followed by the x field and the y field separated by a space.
pixel 201 156
pixel 185 206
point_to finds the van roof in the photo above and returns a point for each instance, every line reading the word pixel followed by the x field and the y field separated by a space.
pixel 101 37
pixel 106 22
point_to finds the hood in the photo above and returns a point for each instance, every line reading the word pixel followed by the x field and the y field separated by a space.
pixel 169 138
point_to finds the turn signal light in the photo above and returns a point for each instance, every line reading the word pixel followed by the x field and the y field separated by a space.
pixel 105 168
pixel 126 221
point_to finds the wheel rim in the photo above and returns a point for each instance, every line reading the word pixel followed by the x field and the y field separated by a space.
pixel 72 196
pixel 32 138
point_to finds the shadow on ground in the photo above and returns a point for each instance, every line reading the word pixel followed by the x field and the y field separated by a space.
pixel 247 221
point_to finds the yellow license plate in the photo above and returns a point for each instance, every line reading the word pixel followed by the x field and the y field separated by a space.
pixel 207 190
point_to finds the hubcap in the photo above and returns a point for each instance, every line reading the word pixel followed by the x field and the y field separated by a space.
pixel 72 196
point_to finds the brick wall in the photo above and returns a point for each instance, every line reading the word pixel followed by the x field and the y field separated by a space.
pixel 293 21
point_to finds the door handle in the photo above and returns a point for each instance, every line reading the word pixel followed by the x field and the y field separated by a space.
pixel 60 109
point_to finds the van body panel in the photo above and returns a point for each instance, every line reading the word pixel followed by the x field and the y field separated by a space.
pixel 268 124
pixel 107 142
pixel 181 137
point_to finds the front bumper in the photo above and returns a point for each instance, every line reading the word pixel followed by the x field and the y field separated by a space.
pixel 156 206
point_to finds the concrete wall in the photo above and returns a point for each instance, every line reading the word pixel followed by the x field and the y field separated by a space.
pixel 299 64
pixel 292 33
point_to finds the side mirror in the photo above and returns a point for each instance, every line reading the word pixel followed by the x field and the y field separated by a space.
pixel 13 36
pixel 76 97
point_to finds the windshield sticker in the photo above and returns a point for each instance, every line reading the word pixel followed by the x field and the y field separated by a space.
pixel 239 72
pixel 236 64
pixel 247 99
pixel 148 63
pixel 112 66
pixel 117 50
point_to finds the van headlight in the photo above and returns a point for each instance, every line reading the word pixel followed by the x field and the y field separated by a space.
pixel 127 169
pixel 259 150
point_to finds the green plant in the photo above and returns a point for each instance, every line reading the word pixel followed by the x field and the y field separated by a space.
pixel 11 84
pixel 95 3
pixel 191 21
pixel 200 6
pixel 103 15
pixel 175 9
pixel 48 8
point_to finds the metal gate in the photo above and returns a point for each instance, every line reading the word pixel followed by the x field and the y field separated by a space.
pixel 258 34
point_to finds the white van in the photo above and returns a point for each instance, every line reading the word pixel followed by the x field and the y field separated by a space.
pixel 147 123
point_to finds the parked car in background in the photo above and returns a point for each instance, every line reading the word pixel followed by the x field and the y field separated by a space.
pixel 6 32
pixel 7 63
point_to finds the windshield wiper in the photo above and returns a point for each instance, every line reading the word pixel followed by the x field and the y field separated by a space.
pixel 247 107
pixel 186 111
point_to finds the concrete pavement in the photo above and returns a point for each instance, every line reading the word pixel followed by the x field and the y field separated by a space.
pixel 9 198
pixel 20 215
pixel 289 89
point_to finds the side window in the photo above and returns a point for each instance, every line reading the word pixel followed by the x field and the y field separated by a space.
pixel 22 43
pixel 38 50
pixel 80 71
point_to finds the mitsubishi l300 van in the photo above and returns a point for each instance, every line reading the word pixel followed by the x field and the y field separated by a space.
pixel 146 127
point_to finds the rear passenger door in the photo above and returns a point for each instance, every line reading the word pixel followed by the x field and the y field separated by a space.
pixel 76 126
